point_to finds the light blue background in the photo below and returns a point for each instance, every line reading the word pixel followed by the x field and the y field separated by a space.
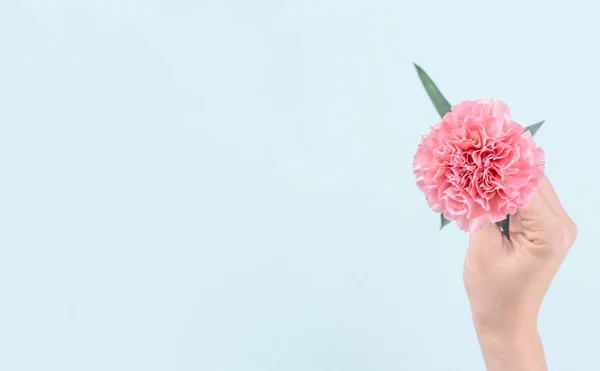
pixel 226 185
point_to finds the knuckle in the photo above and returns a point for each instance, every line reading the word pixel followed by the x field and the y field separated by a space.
pixel 570 231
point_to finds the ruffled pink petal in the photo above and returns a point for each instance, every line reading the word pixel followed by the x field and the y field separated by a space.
pixel 477 165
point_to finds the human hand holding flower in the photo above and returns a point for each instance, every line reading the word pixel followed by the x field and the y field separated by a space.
pixel 506 280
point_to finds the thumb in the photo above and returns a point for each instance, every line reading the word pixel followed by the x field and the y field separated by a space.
pixel 538 210
pixel 487 239
pixel 538 220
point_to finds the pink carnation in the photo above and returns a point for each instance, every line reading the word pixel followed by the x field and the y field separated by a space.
pixel 478 165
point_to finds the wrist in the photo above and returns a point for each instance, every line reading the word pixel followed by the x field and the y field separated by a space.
pixel 511 328
pixel 506 321
pixel 515 349
pixel 524 334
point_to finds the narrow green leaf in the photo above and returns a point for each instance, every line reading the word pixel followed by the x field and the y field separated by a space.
pixel 438 100
pixel 441 105
pixel 504 226
pixel 444 221
pixel 535 127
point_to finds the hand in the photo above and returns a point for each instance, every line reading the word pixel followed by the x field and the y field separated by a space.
pixel 506 281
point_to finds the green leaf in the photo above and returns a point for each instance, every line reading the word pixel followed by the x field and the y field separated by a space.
pixel 535 127
pixel 444 221
pixel 438 100
pixel 504 226
pixel 441 105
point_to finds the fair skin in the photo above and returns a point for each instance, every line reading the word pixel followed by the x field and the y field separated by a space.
pixel 506 280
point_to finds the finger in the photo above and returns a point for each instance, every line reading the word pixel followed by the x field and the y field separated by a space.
pixel 550 195
pixel 486 238
pixel 565 228
pixel 538 220
pixel 515 224
pixel 538 208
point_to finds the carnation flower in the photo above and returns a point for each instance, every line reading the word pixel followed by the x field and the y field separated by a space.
pixel 478 165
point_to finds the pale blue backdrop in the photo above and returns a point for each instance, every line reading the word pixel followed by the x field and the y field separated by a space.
pixel 226 185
